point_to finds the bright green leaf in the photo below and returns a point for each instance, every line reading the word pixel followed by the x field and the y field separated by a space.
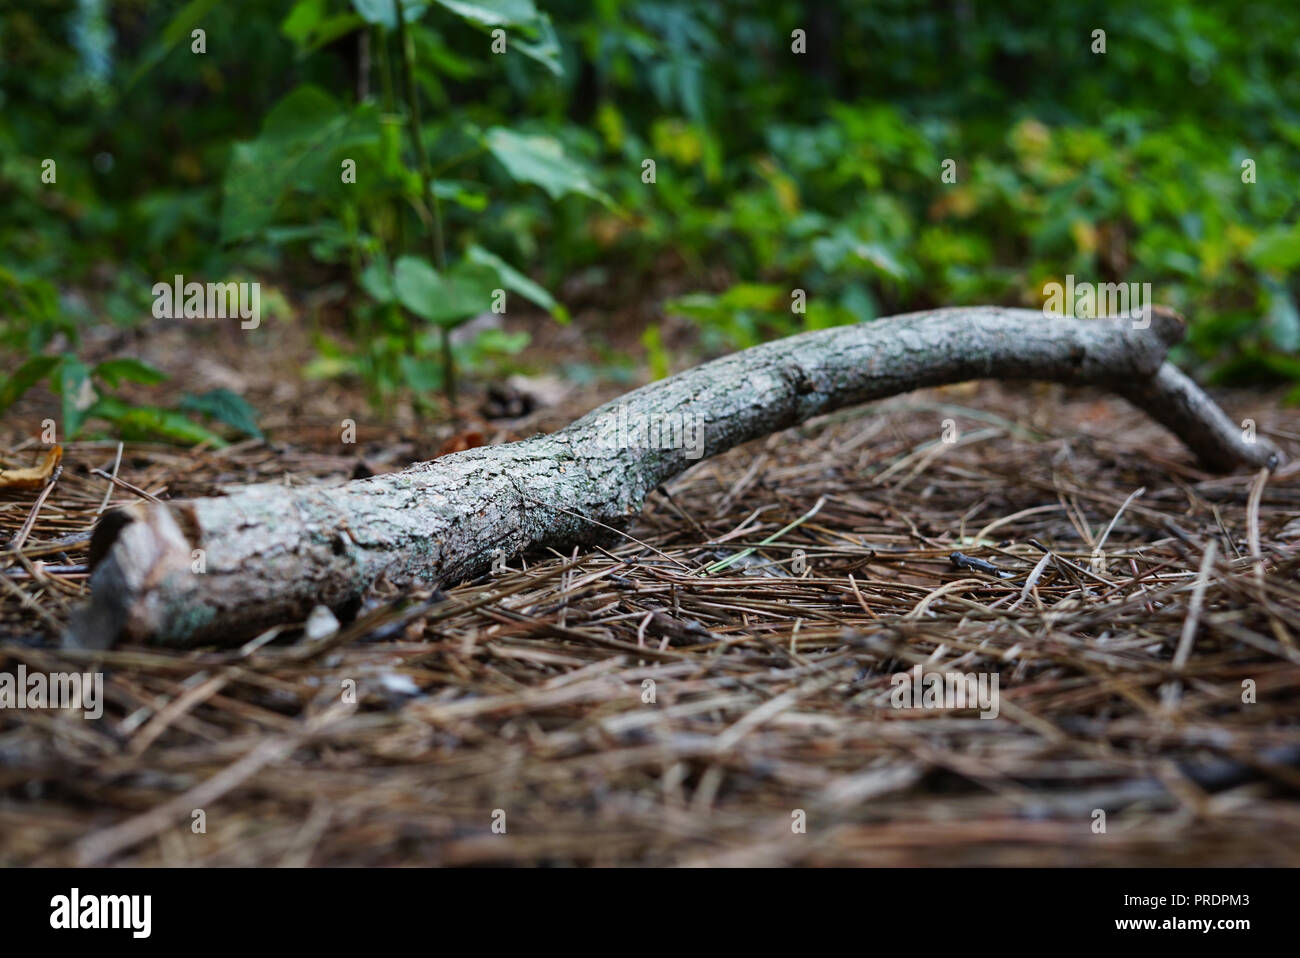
pixel 546 49
pixel 492 13
pixel 300 140
pixel 540 160
pixel 449 299
pixel 383 13
pixel 114 371
pixel 512 279
pixel 225 406
pixel 422 375
pixel 1277 248
pixel 377 281
pixel 151 422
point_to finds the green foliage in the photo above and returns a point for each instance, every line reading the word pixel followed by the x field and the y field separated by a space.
pixel 299 146
pixel 446 299
pixel 775 171
pixel 153 422
pixel 25 377
pixel 653 341
pixel 30 316
pixel 510 278
pixel 297 169
pixel 540 160
pixel 750 313
pixel 116 371
pixel 85 395
pixel 226 407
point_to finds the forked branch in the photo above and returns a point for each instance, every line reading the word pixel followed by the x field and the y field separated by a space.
pixel 215 570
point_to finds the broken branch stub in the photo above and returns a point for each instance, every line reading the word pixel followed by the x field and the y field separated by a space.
pixel 216 570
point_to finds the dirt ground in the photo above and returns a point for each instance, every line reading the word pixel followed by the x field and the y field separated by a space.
pixel 648 705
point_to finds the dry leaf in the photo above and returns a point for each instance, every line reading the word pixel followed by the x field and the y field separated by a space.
pixel 32 477
pixel 460 442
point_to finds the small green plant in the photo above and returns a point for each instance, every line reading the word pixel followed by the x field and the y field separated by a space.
pixel 86 394
pixel 350 183
pixel 89 393
pixel 750 313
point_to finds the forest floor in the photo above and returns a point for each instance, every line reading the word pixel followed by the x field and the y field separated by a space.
pixel 633 706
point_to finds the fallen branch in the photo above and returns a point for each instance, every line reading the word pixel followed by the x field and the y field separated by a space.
pixel 217 569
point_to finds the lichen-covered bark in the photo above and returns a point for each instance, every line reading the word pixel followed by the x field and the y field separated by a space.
pixel 269 553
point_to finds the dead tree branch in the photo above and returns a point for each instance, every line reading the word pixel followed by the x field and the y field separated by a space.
pixel 269 553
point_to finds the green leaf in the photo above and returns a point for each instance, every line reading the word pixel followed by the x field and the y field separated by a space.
pixel 377 281
pixel 78 394
pixel 382 12
pixel 416 285
pixel 151 422
pixel 422 375
pixel 1277 248
pixel 546 49
pixel 763 296
pixel 512 279
pixel 1255 367
pixel 329 367
pixel 832 252
pixel 225 406
pixel 496 342
pixel 448 299
pixel 653 342
pixel 114 371
pixel 303 18
pixel 180 27
pixel 28 375
pixel 492 13
pixel 457 193
pixel 540 160
pixel 311 25
pixel 300 140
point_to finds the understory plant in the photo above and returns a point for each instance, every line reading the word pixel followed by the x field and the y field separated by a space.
pixel 355 181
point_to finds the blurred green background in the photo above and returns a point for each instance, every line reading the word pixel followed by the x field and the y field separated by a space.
pixel 773 170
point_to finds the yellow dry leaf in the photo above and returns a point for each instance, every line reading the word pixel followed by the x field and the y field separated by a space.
pixel 32 477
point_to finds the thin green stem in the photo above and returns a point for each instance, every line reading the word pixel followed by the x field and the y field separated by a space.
pixel 437 250
pixel 722 564
pixel 386 84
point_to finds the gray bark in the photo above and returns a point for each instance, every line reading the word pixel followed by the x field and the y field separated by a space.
pixel 270 552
